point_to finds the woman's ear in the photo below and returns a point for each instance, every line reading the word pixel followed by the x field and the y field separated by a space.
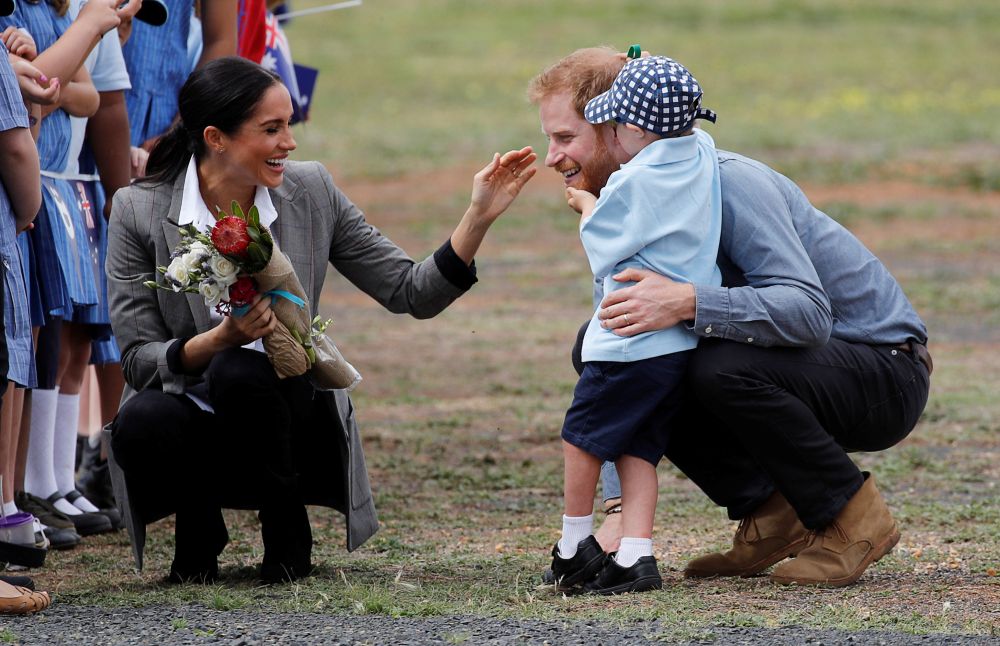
pixel 214 138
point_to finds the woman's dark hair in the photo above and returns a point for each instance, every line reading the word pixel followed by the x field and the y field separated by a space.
pixel 224 93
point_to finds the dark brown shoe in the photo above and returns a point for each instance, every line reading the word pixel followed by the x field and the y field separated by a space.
pixel 770 534
pixel 863 532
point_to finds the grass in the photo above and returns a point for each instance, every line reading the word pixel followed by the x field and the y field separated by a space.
pixel 461 414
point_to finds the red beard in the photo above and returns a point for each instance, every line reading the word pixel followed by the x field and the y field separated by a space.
pixel 595 175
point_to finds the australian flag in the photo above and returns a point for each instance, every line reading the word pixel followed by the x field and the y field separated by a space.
pixel 299 79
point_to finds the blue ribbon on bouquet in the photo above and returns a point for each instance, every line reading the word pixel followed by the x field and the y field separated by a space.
pixel 274 293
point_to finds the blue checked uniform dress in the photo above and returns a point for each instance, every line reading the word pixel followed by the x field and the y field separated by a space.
pixel 157 62
pixel 16 315
pixel 60 276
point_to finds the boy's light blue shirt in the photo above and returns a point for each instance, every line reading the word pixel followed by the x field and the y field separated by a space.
pixel 661 211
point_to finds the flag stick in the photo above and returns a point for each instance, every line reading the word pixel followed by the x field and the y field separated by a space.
pixel 330 7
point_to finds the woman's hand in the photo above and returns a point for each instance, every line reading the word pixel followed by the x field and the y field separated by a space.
pixel 493 189
pixel 496 185
pixel 258 322
pixel 19 43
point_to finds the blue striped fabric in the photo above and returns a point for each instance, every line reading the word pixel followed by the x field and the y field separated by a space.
pixel 16 313
pixel 68 233
pixel 45 27
pixel 157 62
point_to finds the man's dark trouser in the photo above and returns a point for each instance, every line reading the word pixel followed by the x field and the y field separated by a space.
pixel 180 459
pixel 764 418
pixel 785 418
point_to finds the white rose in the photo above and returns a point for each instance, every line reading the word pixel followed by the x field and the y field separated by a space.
pixel 211 292
pixel 199 248
pixel 178 274
pixel 193 260
pixel 223 269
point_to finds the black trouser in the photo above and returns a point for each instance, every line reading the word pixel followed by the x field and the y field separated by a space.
pixel 785 418
pixel 760 419
pixel 180 459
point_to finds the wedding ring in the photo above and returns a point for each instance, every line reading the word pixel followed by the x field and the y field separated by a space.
pixel 626 318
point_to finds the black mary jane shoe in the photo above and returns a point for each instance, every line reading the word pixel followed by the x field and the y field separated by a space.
pixel 641 576
pixel 570 573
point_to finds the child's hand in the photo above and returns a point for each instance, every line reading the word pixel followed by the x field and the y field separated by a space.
pixel 580 201
pixel 35 86
pixel 19 42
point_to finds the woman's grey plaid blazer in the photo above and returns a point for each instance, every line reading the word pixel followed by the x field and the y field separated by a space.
pixel 316 224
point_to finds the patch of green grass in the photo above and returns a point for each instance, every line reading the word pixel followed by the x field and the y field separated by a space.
pixel 7 636
pixel 448 80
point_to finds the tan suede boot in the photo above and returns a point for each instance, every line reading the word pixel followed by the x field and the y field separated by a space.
pixel 863 532
pixel 768 535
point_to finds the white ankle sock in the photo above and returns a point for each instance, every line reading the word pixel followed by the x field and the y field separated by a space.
pixel 64 442
pixel 39 478
pixel 574 530
pixel 632 549
pixel 66 507
pixel 83 504
pixel 9 508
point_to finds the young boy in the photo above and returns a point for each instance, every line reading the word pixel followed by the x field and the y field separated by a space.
pixel 661 211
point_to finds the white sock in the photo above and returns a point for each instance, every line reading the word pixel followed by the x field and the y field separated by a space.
pixel 574 530
pixel 9 508
pixel 39 478
pixel 64 442
pixel 632 549
pixel 66 507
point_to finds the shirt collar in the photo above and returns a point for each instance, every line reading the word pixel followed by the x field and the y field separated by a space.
pixel 194 211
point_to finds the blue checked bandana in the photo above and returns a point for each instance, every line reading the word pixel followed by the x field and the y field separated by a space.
pixel 655 93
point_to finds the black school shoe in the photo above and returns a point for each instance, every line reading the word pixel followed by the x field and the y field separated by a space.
pixel 643 575
pixel 582 567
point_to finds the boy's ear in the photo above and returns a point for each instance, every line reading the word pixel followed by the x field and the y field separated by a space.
pixel 635 129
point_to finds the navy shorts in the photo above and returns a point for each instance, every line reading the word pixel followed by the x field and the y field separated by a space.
pixel 626 408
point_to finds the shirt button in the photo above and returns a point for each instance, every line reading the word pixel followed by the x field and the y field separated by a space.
pixel 749 339
pixel 708 330
pixel 894 353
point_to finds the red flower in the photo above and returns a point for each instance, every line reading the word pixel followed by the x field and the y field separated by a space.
pixel 242 291
pixel 230 237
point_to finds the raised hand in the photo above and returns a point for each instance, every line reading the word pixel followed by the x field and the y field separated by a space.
pixel 500 181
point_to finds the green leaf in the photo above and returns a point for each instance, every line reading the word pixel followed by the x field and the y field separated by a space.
pixel 219 213
pixel 253 217
pixel 256 254
pixel 238 211
pixel 254 235
pixel 152 284
pixel 311 354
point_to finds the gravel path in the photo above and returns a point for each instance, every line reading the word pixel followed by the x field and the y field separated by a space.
pixel 68 624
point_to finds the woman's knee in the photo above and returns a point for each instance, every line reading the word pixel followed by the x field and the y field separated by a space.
pixel 241 370
pixel 140 424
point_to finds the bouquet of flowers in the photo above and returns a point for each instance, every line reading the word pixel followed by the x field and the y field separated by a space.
pixel 234 262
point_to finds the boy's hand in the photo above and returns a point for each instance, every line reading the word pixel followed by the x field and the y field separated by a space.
pixel 580 201
pixel 19 42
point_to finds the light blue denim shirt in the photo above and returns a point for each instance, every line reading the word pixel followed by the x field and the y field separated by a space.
pixel 661 211
pixel 793 276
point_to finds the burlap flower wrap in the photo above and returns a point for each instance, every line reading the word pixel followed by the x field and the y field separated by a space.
pixel 288 356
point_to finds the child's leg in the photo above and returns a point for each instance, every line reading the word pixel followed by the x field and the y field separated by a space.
pixel 639 492
pixel 580 473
